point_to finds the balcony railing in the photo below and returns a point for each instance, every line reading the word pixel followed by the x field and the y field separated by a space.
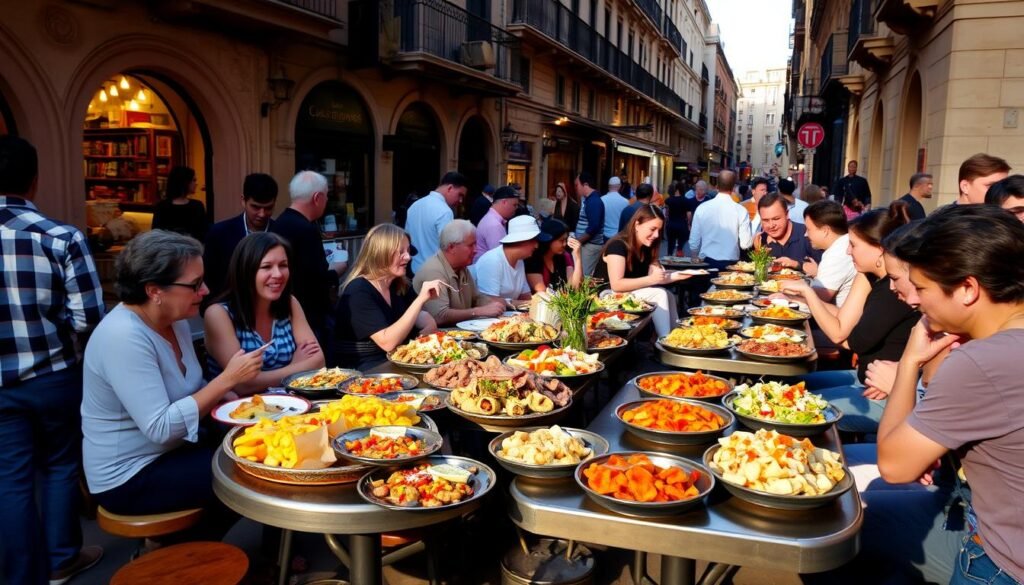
pixel 675 38
pixel 652 10
pixel 328 8
pixel 862 22
pixel 444 30
pixel 703 120
pixel 833 59
pixel 561 25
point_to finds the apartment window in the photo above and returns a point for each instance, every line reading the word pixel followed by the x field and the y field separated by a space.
pixel 618 41
pixel 576 96
pixel 559 91
pixel 766 157
pixel 591 104
pixel 769 119
pixel 607 23
pixel 629 48
pixel 750 119
pixel 772 92
pixel 616 109
pixel 593 14
pixel 524 74
pixel 691 59
pixel 767 138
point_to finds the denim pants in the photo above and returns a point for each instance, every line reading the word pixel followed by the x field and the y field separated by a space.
pixel 974 566
pixel 41 434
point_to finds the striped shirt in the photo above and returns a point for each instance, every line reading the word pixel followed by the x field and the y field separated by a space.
pixel 49 290
pixel 278 355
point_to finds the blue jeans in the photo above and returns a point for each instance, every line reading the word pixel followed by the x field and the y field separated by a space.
pixel 974 566
pixel 41 434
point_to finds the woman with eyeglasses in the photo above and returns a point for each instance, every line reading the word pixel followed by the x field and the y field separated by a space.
pixel 143 387
pixel 257 309
pixel 629 263
pixel 551 266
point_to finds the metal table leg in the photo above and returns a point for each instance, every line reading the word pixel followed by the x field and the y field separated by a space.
pixel 678 571
pixel 365 552
pixel 284 556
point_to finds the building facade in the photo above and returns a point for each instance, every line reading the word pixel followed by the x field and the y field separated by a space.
pixel 720 96
pixel 906 86
pixel 760 109
pixel 382 96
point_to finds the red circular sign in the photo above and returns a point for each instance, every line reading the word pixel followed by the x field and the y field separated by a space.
pixel 810 135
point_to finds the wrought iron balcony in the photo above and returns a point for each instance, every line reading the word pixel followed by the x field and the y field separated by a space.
pixel 906 17
pixel 833 60
pixel 872 50
pixel 437 39
pixel 327 8
pixel 558 24
pixel 652 10
pixel 672 34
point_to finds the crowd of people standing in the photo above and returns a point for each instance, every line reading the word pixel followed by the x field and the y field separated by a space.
pixel 932 305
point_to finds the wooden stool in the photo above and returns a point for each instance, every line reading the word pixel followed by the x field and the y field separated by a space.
pixel 191 563
pixel 148 526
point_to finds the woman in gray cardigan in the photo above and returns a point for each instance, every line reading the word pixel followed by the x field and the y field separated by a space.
pixel 144 392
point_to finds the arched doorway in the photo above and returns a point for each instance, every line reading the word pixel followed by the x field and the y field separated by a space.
pixel 417 154
pixel 334 137
pixel 6 118
pixel 474 146
pixel 875 151
pixel 910 156
pixel 137 127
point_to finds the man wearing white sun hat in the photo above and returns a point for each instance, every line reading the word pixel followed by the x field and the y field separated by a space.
pixel 500 272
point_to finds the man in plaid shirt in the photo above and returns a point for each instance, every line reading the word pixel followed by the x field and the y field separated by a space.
pixel 49 292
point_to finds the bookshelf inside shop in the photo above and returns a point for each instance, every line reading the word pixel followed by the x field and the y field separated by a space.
pixel 129 165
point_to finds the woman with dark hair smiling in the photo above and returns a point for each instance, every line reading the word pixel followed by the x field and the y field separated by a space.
pixel 258 309
pixel 176 212
pixel 550 265
pixel 629 262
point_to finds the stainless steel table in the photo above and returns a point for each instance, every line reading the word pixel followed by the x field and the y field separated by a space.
pixel 733 362
pixel 328 510
pixel 727 530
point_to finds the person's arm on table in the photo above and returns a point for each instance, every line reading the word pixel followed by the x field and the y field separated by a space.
pixel 904 453
pixel 395 334
pixel 837 326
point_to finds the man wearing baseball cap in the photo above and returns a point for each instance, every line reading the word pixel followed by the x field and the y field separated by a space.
pixel 491 228
pixel 501 271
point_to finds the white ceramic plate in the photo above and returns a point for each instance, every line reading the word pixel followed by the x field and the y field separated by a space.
pixel 476 325
pixel 290 404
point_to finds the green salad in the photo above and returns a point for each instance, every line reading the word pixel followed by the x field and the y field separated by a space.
pixel 776 402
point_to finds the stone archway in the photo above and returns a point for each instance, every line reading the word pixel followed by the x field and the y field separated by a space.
pixel 474 151
pixel 204 88
pixel 416 144
pixel 911 125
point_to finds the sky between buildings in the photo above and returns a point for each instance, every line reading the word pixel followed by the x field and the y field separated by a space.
pixel 755 32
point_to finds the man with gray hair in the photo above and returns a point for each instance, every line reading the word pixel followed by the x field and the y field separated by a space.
pixel 450 265
pixel 311 276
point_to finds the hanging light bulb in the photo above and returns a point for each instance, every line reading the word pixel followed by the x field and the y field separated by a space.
pixel 124 82
pixel 113 90
pixel 103 96
pixel 141 96
pixel 133 106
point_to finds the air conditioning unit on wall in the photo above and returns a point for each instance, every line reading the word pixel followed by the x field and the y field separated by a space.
pixel 478 54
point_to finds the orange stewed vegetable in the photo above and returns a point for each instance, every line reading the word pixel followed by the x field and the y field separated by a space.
pixel 638 479
pixel 697 385
pixel 670 415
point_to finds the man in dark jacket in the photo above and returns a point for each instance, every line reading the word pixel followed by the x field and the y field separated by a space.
pixel 852 188
pixel 259 195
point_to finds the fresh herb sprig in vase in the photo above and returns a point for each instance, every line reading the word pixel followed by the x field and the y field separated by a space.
pixel 762 259
pixel 572 304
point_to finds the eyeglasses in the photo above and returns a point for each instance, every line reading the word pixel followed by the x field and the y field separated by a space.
pixel 195 286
